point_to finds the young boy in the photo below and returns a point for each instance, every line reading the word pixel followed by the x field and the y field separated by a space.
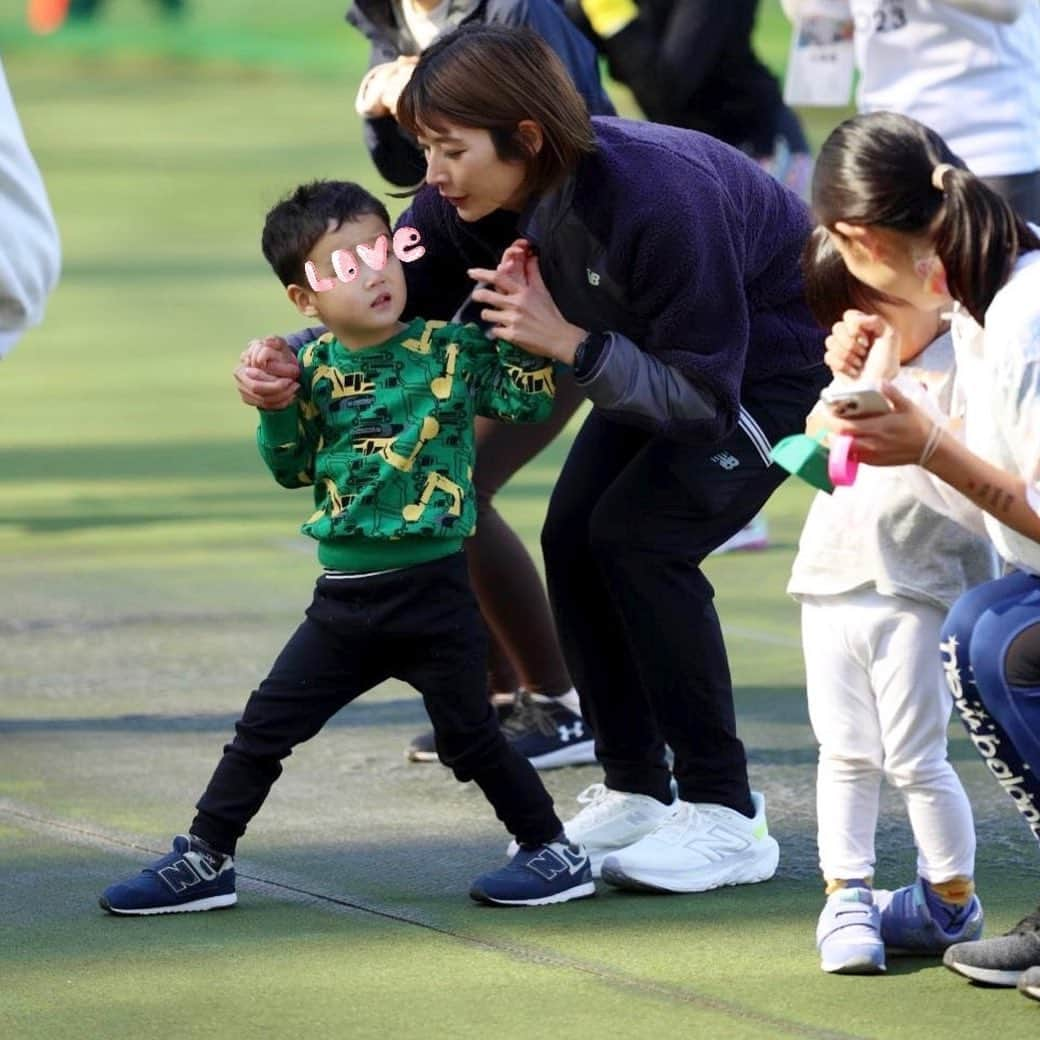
pixel 382 427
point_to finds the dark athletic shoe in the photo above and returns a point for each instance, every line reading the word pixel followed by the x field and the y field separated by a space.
pixel 187 879
pixel 1000 961
pixel 548 734
pixel 552 873
pixel 423 748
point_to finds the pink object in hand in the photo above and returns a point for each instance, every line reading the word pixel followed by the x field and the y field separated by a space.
pixel 842 461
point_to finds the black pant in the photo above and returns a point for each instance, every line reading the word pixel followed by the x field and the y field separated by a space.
pixel 419 624
pixel 631 518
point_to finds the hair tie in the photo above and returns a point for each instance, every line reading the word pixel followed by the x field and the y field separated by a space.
pixel 938 173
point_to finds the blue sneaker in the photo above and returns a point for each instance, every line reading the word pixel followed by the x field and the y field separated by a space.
pixel 907 924
pixel 848 934
pixel 552 873
pixel 548 734
pixel 186 879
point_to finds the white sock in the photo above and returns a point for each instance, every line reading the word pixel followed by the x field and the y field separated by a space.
pixel 569 700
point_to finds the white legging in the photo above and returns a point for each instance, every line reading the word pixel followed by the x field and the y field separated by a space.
pixel 879 707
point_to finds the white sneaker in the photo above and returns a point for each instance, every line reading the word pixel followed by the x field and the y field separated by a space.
pixel 611 820
pixel 698 847
pixel 754 535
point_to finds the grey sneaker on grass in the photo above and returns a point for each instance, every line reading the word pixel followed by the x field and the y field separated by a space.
pixel 1001 961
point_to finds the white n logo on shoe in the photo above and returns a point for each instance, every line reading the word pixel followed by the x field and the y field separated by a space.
pixel 187 872
pixel 551 862
pixel 717 843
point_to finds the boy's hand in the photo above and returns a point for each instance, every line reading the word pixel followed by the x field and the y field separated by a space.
pixel 267 374
pixel 273 355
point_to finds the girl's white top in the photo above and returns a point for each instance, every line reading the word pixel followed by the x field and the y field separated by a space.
pixel 1000 370
pixel 891 530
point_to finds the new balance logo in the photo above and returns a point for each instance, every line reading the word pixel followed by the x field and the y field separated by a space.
pixel 186 873
pixel 574 731
pixel 717 843
pixel 725 460
pixel 555 860
pixel 593 277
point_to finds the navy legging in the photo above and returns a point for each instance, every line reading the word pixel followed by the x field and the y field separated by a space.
pixel 991 657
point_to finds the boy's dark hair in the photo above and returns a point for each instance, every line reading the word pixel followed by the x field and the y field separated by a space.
pixel 493 77
pixel 295 224
pixel 829 288
pixel 876 170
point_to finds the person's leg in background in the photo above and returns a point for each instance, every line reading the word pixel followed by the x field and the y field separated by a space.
pixel 991 656
pixel 527 676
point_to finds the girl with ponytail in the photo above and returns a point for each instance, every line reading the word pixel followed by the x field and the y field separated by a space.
pixel 911 221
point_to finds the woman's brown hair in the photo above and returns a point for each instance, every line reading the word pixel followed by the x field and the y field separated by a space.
pixel 493 77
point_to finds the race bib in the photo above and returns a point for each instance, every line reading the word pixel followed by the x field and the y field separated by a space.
pixel 821 63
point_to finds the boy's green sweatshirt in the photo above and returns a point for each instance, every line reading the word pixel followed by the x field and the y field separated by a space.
pixel 385 435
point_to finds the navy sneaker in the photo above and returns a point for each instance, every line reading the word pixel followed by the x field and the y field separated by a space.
pixel 188 878
pixel 552 873
pixel 907 924
pixel 423 748
pixel 548 734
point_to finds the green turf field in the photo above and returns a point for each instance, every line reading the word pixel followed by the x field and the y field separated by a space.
pixel 151 569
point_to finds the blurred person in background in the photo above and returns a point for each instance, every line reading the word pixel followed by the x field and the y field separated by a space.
pixel 691 63
pixel 969 69
pixel 400 30
pixel 82 10
pixel 30 253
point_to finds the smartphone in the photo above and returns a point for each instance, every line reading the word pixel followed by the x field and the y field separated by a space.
pixel 855 402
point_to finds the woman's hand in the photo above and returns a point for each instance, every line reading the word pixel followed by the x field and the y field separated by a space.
pixel 267 374
pixel 396 82
pixel 850 341
pixel 520 309
pixel 896 438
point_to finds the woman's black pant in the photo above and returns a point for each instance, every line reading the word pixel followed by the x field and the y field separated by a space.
pixel 630 520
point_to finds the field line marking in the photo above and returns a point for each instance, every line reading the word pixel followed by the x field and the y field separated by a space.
pixel 79 834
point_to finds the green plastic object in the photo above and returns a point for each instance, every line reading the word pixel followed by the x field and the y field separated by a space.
pixel 806 457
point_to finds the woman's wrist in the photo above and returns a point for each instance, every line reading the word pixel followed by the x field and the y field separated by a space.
pixel 565 347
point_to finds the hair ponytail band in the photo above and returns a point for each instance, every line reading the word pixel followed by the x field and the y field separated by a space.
pixel 938 173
